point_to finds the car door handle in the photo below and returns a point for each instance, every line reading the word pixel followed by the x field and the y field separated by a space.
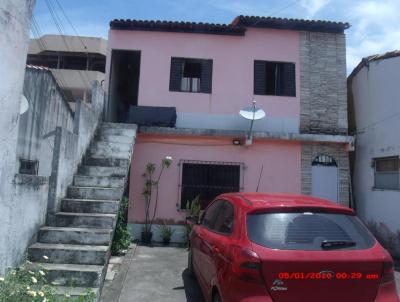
pixel 215 250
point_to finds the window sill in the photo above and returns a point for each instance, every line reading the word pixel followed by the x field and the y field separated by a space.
pixel 379 189
pixel 196 92
pixel 30 180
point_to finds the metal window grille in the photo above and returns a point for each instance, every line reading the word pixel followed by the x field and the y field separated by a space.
pixel 324 160
pixel 387 173
pixel 30 167
pixel 208 180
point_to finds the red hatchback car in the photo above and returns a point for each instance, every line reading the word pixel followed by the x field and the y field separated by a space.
pixel 254 247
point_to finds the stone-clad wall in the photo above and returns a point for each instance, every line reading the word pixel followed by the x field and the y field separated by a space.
pixel 323 92
pixel 309 151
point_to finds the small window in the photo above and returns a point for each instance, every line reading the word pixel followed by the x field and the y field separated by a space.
pixel 274 78
pixel 208 180
pixel 191 75
pixel 224 221
pixel 30 167
pixel 211 214
pixel 387 173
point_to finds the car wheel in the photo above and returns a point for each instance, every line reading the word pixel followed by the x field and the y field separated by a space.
pixel 190 263
pixel 216 297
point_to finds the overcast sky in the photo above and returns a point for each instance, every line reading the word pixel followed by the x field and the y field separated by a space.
pixel 375 24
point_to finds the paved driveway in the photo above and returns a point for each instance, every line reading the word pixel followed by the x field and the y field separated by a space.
pixel 152 274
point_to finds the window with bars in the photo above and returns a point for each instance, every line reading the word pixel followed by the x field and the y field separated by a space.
pixel 30 167
pixel 274 78
pixel 207 180
pixel 387 173
pixel 191 75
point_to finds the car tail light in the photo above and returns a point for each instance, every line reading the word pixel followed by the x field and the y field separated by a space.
pixel 246 264
pixel 388 271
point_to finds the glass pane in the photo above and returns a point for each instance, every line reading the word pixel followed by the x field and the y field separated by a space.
pixel 387 164
pixel 387 180
pixel 306 231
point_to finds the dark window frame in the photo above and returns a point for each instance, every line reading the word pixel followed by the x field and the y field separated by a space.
pixel 284 86
pixel 180 206
pixel 395 173
pixel 28 167
pixel 177 70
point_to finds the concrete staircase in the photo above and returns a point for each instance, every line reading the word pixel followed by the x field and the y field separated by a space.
pixel 77 243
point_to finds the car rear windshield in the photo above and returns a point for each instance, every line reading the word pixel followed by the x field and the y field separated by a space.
pixel 308 231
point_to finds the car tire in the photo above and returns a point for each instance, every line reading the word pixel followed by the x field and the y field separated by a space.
pixel 216 297
pixel 190 263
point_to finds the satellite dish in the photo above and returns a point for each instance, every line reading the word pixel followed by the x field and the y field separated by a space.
pixel 24 105
pixel 251 113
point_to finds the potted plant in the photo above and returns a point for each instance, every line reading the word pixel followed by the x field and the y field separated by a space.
pixel 166 233
pixel 150 185
pixel 193 209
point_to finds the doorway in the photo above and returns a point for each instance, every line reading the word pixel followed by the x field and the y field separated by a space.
pixel 324 178
pixel 124 84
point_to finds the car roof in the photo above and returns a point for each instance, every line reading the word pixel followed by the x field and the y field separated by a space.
pixel 283 201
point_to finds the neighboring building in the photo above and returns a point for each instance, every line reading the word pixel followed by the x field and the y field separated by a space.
pixel 75 62
pixel 294 69
pixel 374 94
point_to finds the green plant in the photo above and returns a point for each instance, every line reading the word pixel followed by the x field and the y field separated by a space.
pixel 28 283
pixel 122 237
pixel 193 209
pixel 150 183
pixel 166 233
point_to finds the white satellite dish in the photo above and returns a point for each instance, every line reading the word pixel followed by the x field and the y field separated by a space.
pixel 24 105
pixel 251 113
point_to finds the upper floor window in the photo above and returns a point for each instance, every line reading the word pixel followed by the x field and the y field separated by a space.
pixel 191 75
pixel 387 173
pixel 274 78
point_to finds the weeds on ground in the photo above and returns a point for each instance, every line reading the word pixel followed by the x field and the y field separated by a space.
pixel 122 237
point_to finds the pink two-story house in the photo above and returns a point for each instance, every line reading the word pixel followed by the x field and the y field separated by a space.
pixel 184 84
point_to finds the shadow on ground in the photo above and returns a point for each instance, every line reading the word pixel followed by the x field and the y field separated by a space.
pixel 191 287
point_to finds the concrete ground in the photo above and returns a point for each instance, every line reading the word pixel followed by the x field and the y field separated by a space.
pixel 152 274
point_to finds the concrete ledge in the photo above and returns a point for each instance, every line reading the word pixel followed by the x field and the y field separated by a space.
pixel 305 137
pixel 31 180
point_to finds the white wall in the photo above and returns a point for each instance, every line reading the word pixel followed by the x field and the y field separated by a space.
pixel 376 91
pixel 15 17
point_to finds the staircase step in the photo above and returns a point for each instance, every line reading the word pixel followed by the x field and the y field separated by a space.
pixel 131 133
pixel 108 153
pixel 67 235
pixel 112 146
pixel 103 161
pixel 74 274
pixel 98 181
pixel 85 220
pixel 75 292
pixel 89 206
pixel 94 193
pixel 103 171
pixel 69 253
pixel 112 138
pixel 106 125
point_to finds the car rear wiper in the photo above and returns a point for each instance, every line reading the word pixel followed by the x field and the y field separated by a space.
pixel 336 244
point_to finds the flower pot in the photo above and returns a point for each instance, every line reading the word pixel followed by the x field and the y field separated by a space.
pixel 146 237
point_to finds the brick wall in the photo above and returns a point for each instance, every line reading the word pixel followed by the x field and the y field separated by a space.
pixel 310 151
pixel 323 93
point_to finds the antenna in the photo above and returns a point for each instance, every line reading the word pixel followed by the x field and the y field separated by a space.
pixel 251 113
pixel 259 178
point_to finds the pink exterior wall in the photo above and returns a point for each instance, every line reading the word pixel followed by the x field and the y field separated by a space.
pixel 233 68
pixel 281 160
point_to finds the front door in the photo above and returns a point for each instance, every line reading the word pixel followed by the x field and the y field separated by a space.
pixel 324 178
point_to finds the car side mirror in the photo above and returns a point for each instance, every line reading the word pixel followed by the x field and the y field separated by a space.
pixel 192 219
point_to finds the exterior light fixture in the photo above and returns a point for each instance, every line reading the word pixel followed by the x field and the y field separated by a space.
pixel 251 113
